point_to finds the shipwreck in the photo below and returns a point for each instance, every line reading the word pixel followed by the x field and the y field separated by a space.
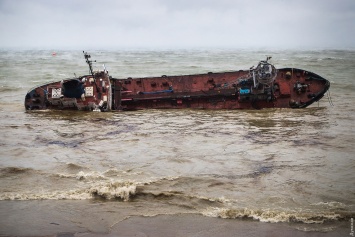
pixel 262 86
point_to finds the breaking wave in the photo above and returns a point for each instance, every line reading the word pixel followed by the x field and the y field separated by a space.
pixel 83 184
pixel 128 191
pixel 104 190
pixel 274 216
pixel 89 176
pixel 114 190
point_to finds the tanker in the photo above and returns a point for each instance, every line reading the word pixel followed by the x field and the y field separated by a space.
pixel 259 87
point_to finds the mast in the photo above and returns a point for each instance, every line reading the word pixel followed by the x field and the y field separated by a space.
pixel 89 62
pixel 87 56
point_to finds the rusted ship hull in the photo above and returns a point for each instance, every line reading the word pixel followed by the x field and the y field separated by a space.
pixel 262 87
pixel 217 91
pixel 91 93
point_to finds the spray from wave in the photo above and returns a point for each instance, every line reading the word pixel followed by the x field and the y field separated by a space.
pixel 114 190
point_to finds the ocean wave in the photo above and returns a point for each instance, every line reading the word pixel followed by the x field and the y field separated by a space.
pixel 73 166
pixel 114 190
pixel 94 185
pixel 89 176
pixel 55 195
pixel 6 171
pixel 332 204
pixel 81 175
pixel 210 207
pixel 10 88
pixel 330 58
pixel 273 216
pixel 112 185
pixel 106 190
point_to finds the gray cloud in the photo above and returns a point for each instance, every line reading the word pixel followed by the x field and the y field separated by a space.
pixel 169 24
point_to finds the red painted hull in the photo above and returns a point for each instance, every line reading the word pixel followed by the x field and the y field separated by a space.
pixel 207 91
pixel 289 88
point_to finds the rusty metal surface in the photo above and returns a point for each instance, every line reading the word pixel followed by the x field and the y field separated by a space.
pixel 256 88
pixel 218 91
pixel 84 93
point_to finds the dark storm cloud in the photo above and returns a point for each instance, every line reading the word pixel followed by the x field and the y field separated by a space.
pixel 184 23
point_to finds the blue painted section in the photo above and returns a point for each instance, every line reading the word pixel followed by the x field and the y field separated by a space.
pixel 244 91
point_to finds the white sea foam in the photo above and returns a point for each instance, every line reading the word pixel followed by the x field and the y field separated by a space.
pixel 89 176
pixel 272 216
pixel 81 175
pixel 330 204
pixel 104 189
pixel 112 190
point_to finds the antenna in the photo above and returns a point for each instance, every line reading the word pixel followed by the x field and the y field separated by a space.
pixel 87 56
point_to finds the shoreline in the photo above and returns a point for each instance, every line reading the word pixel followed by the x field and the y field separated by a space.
pixel 67 218
pixel 190 225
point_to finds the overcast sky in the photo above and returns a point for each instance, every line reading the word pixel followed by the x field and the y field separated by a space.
pixel 117 24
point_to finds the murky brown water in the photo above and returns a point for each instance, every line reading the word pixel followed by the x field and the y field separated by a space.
pixel 274 165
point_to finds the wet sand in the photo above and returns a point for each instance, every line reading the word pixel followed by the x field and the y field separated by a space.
pixel 46 219
pixel 199 226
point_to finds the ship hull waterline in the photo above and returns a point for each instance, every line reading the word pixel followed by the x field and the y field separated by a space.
pixel 289 88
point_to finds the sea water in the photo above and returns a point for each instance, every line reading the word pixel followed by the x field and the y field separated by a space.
pixel 272 165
